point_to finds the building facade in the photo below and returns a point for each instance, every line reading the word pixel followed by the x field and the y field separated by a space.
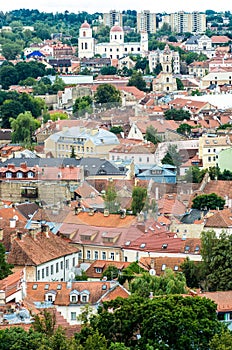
pixel 182 22
pixel 146 22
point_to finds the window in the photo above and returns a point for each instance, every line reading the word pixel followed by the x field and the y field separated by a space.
pixel 209 159
pixel 73 298
pixel 88 255
pixel 176 267
pixel 96 255
pixel 47 271
pixel 19 175
pixel 84 298
pixel 103 255
pixel 38 275
pixel 46 287
pixel 74 261
pixel 57 267
pixel 8 175
pixel 98 270
pixel 73 316
pixel 59 286
pixel 140 159
pixel 163 267
pixel 148 159
pixel 67 264
pixel 209 150
pixel 61 265
pixel 52 270
pixel 49 298
pixel 111 256
pixel 42 273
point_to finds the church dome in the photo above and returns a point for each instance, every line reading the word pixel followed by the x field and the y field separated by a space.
pixel 116 29
pixel 85 25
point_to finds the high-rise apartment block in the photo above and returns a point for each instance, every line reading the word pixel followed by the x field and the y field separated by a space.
pixel 112 18
pixel 182 22
pixel 146 22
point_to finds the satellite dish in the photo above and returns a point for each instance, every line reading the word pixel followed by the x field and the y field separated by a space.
pixel 104 278
pixel 71 275
pixel 152 272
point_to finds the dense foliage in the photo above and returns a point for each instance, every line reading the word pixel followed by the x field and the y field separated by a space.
pixel 208 201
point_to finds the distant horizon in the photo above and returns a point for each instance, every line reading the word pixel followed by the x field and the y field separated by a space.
pixel 93 6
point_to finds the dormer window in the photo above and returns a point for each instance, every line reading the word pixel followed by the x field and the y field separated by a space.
pixel 84 296
pixel 8 175
pixel 30 174
pixel 19 175
pixel 50 296
pixel 74 296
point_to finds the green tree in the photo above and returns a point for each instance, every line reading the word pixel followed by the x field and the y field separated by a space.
pixel 5 268
pixel 23 127
pixel 177 114
pixel 108 70
pixel 179 322
pixel 8 76
pixel 73 154
pixel 82 105
pixel 208 201
pixel 184 129
pixel 220 264
pixel 137 80
pixel 10 109
pixel 168 283
pixel 172 157
pixel 158 68
pixel 130 272
pixel 151 135
pixel 11 50
pixel 107 94
pixel 180 85
pixel 111 272
pixel 191 271
pixel 221 341
pixel 194 174
pixel 116 129
pixel 139 196
pixel 45 322
pixel 58 85
pixel 110 199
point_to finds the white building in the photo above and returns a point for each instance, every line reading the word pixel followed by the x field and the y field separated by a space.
pixel 115 49
pixel 159 56
pixel 182 22
pixel 146 22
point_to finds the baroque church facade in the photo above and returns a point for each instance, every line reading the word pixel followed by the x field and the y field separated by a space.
pixel 115 49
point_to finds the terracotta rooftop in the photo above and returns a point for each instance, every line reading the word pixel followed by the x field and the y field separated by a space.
pixel 222 299
pixel 160 264
pixel 169 204
pixel 29 250
pixel 220 219
pixel 12 283
pixel 98 219
pixel 97 290
pixel 103 265
pixel 220 187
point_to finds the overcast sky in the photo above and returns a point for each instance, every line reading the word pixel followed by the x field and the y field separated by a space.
pixel 92 6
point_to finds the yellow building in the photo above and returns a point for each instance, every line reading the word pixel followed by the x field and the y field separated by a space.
pixel 210 147
pixel 84 142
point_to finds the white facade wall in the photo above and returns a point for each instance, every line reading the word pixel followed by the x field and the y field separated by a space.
pixel 57 269
pixel 131 255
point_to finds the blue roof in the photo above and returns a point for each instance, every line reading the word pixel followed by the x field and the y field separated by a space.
pixel 35 54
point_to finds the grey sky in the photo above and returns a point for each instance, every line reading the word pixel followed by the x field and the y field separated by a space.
pixel 92 6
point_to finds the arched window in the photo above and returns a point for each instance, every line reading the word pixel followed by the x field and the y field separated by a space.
pixel 167 69
pixel 84 33
pixel 86 46
pixel 167 80
pixel 82 46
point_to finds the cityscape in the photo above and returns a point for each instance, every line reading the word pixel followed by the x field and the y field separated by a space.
pixel 115 177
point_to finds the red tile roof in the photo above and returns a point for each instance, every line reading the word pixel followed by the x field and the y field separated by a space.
pixel 104 264
pixel 12 283
pixel 35 251
pixel 98 219
pixel 97 291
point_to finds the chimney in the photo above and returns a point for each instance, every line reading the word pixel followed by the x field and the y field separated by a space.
pixel 12 223
pixel 45 229
pixel 32 232
pixel 23 165
pixel 1 234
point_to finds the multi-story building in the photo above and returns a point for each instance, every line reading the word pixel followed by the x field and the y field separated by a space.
pixel 112 18
pixel 182 22
pixel 159 56
pixel 165 81
pixel 210 147
pixel 115 49
pixel 85 142
pixel 146 22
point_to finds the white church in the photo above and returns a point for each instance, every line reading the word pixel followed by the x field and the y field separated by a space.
pixel 115 49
